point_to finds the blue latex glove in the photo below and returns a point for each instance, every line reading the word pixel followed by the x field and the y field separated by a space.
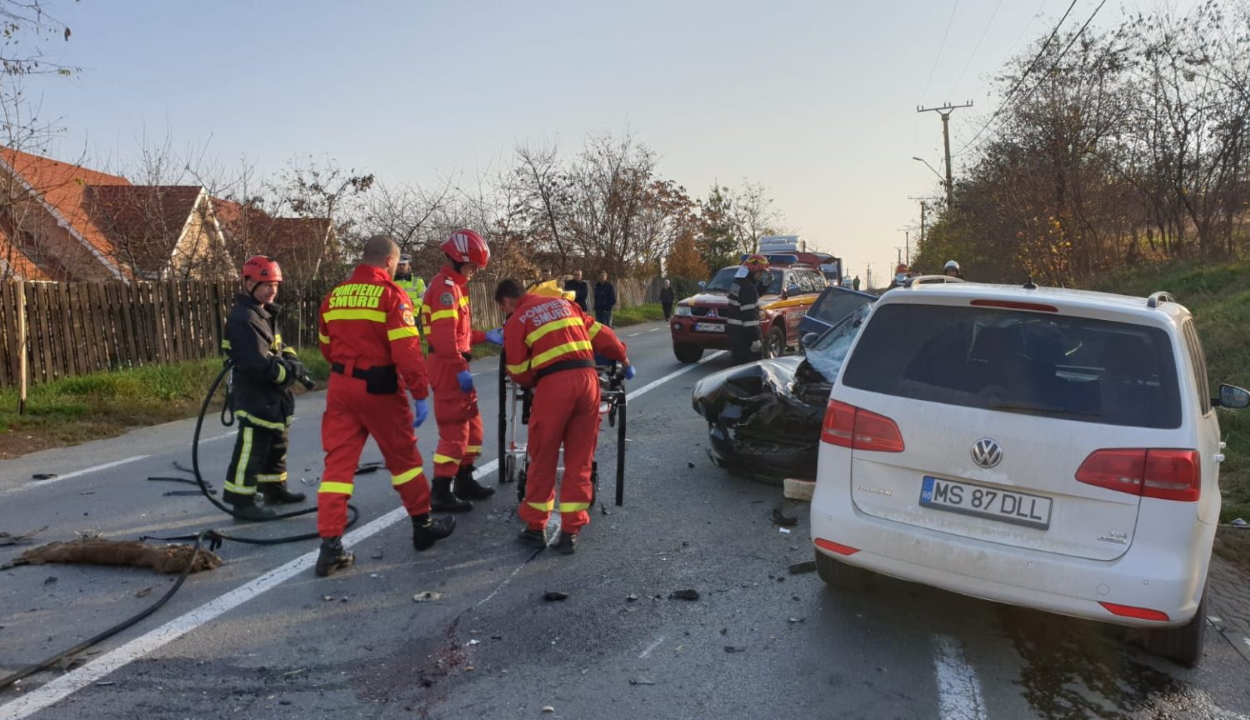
pixel 495 337
pixel 421 411
pixel 465 378
pixel 629 373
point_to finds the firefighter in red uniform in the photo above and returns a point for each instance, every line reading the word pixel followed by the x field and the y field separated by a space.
pixel 450 336
pixel 550 345
pixel 368 333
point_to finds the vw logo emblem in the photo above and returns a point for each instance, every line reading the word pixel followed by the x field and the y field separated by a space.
pixel 987 453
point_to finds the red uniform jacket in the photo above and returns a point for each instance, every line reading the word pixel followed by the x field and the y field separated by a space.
pixel 366 322
pixel 546 330
pixel 446 320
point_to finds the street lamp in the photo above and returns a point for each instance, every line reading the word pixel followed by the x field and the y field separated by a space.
pixel 935 172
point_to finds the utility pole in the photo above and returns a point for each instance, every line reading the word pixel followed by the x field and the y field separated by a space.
pixel 907 244
pixel 945 111
pixel 924 207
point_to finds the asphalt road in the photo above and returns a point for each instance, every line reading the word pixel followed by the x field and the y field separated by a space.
pixel 263 637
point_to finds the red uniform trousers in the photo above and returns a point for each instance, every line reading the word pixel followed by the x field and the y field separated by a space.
pixel 351 416
pixel 459 422
pixel 565 411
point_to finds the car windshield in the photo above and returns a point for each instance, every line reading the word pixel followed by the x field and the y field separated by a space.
pixel 828 353
pixel 1047 365
pixel 723 281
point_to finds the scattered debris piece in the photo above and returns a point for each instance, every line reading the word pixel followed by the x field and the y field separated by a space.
pixel 684 595
pixel 548 709
pixel 377 555
pixel 795 489
pixel 10 539
pixel 641 681
pixel 689 464
pixel 99 551
pixel 1239 522
pixel 803 567
pixel 724 631
pixel 87 492
pixel 370 467
pixel 783 520
pixel 555 596
pixel 43 476
pixel 733 649
pixel 327 598
pixel 796 620
pixel 106 683
pixel 631 597
pixel 475 641
pixel 296 671
pixel 144 592
pixel 375 576
pixel 427 596
pixel 50 581
pixel 784 530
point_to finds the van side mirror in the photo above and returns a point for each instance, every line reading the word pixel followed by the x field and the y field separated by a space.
pixel 703 284
pixel 1232 397
pixel 793 289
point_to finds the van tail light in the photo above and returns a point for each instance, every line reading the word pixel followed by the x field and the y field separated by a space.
pixel 851 427
pixel 838 548
pixel 1135 612
pixel 1160 474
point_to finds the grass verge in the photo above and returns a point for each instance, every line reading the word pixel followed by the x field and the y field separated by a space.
pixel 637 314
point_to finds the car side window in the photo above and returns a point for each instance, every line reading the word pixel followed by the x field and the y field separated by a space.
pixel 1198 359
pixel 807 281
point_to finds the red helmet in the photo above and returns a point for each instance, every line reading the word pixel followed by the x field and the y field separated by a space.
pixel 466 246
pixel 755 262
pixel 262 269
pixel 901 269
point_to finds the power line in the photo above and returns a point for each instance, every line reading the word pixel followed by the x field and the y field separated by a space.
pixel 977 46
pixel 1019 81
pixel 941 47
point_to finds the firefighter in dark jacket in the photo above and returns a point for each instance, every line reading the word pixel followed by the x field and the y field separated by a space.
pixel 743 314
pixel 264 371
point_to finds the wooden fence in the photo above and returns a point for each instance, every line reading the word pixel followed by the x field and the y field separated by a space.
pixel 78 328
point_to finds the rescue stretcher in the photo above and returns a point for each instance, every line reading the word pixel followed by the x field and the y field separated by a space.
pixel 514 411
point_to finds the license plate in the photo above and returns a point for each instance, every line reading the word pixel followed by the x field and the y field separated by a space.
pixel 709 327
pixel 979 501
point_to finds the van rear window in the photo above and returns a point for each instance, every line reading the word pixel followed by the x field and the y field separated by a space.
pixel 1020 362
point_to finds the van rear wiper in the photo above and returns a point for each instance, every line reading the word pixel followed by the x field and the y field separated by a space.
pixel 1039 408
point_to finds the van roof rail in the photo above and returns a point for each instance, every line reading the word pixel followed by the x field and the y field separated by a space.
pixel 930 280
pixel 1159 297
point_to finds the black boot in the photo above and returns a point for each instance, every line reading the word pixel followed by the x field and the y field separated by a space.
pixel 333 557
pixel 443 500
pixel 277 494
pixel 469 489
pixel 567 544
pixel 252 511
pixel 427 530
pixel 532 538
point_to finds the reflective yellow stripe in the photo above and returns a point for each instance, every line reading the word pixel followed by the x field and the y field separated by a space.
pixel 550 327
pixel 262 423
pixel 323 338
pixel 559 350
pixel 594 329
pixel 444 459
pixel 336 488
pixel 374 315
pixel 402 478
pixel 442 314
pixel 519 367
pixel 473 449
pixel 225 344
pixel 278 478
pixel 240 472
pixel 464 301
pixel 401 333
pixel 573 507
pixel 545 507
pixel 281 374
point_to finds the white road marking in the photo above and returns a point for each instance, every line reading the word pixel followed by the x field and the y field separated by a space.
pixel 1246 641
pixel 655 329
pixel 62 687
pixel 85 471
pixel 959 690
pixel 633 334
pixel 230 434
pixel 651 647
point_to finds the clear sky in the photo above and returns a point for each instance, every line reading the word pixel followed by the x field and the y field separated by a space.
pixel 815 100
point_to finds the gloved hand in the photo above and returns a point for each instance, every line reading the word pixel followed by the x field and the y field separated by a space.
pixel 420 411
pixel 495 337
pixel 465 378
pixel 755 346
pixel 288 351
pixel 630 372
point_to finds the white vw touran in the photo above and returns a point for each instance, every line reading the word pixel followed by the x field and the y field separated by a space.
pixel 1053 449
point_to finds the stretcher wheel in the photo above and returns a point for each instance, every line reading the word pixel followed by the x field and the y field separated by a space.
pixel 509 469
pixel 520 486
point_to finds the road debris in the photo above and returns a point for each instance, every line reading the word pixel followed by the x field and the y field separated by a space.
pixel 427 596
pixel 43 476
pixel 1239 522
pixel 327 598
pixel 144 592
pixel 803 567
pixel 10 539
pixel 684 595
pixel 641 681
pixel 555 596
pixel 783 520
pixel 794 620
pixel 548 709
pixel 169 559
pixel 473 642
pixel 689 465
pixel 734 649
pixel 50 581
pixel 370 467
pixel 632 597
pixel 784 530
pixel 377 555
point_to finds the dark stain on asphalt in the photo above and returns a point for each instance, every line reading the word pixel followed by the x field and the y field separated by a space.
pixel 1076 669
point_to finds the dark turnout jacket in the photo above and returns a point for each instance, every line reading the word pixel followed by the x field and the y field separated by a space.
pixel 261 383
pixel 743 313
pixel 605 296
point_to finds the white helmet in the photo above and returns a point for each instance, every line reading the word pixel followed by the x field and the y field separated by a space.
pixel 952 265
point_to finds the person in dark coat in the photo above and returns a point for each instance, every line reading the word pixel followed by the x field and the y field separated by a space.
pixel 605 299
pixel 666 298
pixel 580 289
pixel 264 371
pixel 742 316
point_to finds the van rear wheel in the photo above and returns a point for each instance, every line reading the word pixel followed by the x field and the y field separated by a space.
pixel 1183 644
pixel 840 576
pixel 687 353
